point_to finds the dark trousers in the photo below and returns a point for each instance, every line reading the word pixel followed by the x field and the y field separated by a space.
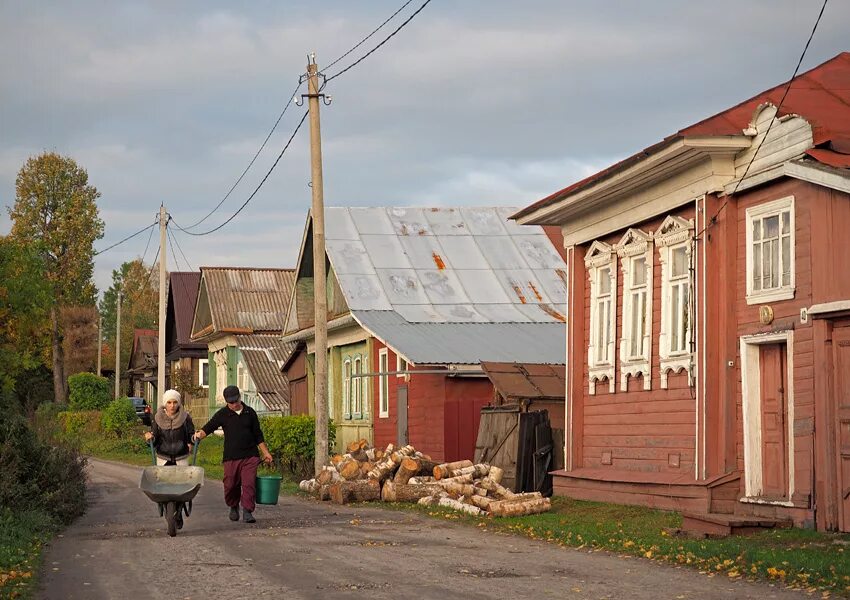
pixel 240 480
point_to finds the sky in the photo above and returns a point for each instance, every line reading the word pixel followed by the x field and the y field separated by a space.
pixel 474 102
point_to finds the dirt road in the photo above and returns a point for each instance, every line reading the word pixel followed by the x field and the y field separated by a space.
pixel 305 549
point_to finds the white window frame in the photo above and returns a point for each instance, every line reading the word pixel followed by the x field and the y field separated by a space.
pixel 401 364
pixel 201 363
pixel 346 388
pixel 365 398
pixel 674 233
pixel 384 383
pixel 758 213
pixel 633 246
pixel 601 256
pixel 357 396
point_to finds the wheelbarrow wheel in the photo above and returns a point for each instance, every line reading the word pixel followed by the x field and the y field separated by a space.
pixel 171 518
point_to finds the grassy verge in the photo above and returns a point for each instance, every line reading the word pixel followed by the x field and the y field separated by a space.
pixel 22 535
pixel 803 559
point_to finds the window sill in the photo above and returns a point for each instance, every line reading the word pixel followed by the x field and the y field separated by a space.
pixel 786 293
pixel 600 373
pixel 383 415
pixel 677 364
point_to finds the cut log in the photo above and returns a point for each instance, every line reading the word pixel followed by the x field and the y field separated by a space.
pixel 328 475
pixel 324 493
pixel 360 455
pixel 364 490
pixel 481 502
pixel 370 454
pixel 459 506
pixel 496 474
pixel 405 492
pixel 349 469
pixel 402 453
pixel 428 501
pixel 458 489
pixel 446 469
pixel 515 509
pixel 365 467
pixel 495 489
pixel 353 447
pixel 458 479
pixel 364 444
pixel 336 459
pixel 309 485
pixel 407 469
pixel 426 466
pixel 421 479
pixel 379 454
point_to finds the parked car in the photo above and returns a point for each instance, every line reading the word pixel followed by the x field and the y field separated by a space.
pixel 143 411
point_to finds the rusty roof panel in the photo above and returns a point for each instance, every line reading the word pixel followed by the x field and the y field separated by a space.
pixel 533 381
pixel 248 299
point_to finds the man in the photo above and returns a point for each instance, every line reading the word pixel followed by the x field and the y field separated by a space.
pixel 242 436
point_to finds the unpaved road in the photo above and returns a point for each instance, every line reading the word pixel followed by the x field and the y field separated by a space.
pixel 305 549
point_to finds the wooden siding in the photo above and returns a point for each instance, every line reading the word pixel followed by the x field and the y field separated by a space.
pixel 296 374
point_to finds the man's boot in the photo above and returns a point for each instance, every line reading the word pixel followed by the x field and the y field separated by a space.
pixel 248 517
pixel 234 513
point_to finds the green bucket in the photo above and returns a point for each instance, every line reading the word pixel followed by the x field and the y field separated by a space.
pixel 268 488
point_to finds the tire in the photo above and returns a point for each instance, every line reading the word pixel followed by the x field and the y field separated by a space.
pixel 171 518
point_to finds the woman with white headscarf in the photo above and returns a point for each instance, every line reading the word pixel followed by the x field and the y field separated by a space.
pixel 171 431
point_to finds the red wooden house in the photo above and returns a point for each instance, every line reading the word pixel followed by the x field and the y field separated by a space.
pixel 708 344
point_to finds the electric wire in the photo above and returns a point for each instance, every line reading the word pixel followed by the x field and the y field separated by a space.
pixel 384 41
pixel 713 219
pixel 257 189
pixel 145 253
pixel 126 239
pixel 180 249
pixel 374 31
pixel 250 164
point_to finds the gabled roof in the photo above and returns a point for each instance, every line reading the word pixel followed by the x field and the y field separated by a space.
pixel 182 298
pixel 264 356
pixel 145 350
pixel 241 300
pixel 821 96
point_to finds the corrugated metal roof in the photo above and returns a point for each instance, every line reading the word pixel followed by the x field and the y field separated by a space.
pixel 264 355
pixel 466 343
pixel 250 299
pixel 446 265
pixel 518 381
pixel 183 293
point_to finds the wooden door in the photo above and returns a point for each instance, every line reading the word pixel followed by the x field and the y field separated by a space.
pixel 401 410
pixel 774 421
pixel 841 379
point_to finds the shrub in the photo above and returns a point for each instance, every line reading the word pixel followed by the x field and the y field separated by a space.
pixel 36 476
pixel 76 424
pixel 46 423
pixel 118 417
pixel 291 440
pixel 88 392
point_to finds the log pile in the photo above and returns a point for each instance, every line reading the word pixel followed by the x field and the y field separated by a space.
pixel 365 474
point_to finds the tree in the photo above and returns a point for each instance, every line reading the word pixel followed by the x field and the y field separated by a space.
pixel 139 306
pixel 56 211
pixel 79 338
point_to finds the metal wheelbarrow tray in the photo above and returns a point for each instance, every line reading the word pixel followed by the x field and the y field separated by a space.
pixel 171 484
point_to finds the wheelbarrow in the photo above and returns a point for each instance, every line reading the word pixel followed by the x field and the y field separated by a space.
pixel 173 488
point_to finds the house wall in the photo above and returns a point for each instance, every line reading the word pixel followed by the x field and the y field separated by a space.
pixel 296 374
pixel 351 426
pixel 647 431
pixel 465 396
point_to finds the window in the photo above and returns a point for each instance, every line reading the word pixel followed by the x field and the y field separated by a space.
pixel 401 365
pixel 204 373
pixel 383 383
pixel 601 263
pixel 365 382
pixel 346 388
pixel 635 253
pixel 770 251
pixel 674 241
pixel 357 385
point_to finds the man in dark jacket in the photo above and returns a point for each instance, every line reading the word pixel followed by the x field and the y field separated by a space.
pixel 242 436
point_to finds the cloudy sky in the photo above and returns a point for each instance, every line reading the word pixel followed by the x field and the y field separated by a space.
pixel 474 103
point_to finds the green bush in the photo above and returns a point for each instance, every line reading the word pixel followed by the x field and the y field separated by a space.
pixel 291 440
pixel 46 422
pixel 119 417
pixel 88 392
pixel 36 476
pixel 76 424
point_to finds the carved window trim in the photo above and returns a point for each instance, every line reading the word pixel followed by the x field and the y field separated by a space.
pixel 633 246
pixel 675 233
pixel 601 256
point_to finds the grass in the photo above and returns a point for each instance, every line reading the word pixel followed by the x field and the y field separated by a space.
pixel 795 558
pixel 22 536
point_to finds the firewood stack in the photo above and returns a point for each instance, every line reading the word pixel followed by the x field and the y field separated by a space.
pixel 366 474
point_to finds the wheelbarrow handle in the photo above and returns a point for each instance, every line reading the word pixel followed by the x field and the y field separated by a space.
pixel 195 452
pixel 153 454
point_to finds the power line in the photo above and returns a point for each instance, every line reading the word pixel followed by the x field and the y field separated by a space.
pixel 183 254
pixel 145 253
pixel 126 239
pixel 257 189
pixel 713 219
pixel 172 241
pixel 374 31
pixel 250 164
pixel 384 41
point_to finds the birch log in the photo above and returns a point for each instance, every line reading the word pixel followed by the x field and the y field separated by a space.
pixel 495 489
pixel 349 469
pixel 405 492
pixel 446 469
pixel 407 469
pixel 459 506
pixel 496 474
pixel 514 509
pixel 363 490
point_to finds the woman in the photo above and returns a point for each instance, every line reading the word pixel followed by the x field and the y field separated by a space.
pixel 171 431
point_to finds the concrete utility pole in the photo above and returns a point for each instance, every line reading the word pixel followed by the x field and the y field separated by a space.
pixel 99 342
pixel 319 294
pixel 160 353
pixel 118 347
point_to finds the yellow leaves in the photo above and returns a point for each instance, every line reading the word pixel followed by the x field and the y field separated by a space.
pixel 733 573
pixel 628 544
pixel 648 554
pixel 776 573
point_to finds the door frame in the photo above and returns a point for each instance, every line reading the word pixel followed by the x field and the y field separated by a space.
pixel 751 408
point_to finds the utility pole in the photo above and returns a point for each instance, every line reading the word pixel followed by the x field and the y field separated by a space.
pixel 319 294
pixel 160 354
pixel 99 342
pixel 118 347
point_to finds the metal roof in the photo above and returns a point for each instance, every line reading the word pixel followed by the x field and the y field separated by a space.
pixel 247 299
pixel 466 343
pixel 264 355
pixel 446 265
pixel 521 381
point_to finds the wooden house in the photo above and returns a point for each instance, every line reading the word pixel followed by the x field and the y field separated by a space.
pixel 417 298
pixel 708 345
pixel 185 360
pixel 239 315
pixel 142 366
